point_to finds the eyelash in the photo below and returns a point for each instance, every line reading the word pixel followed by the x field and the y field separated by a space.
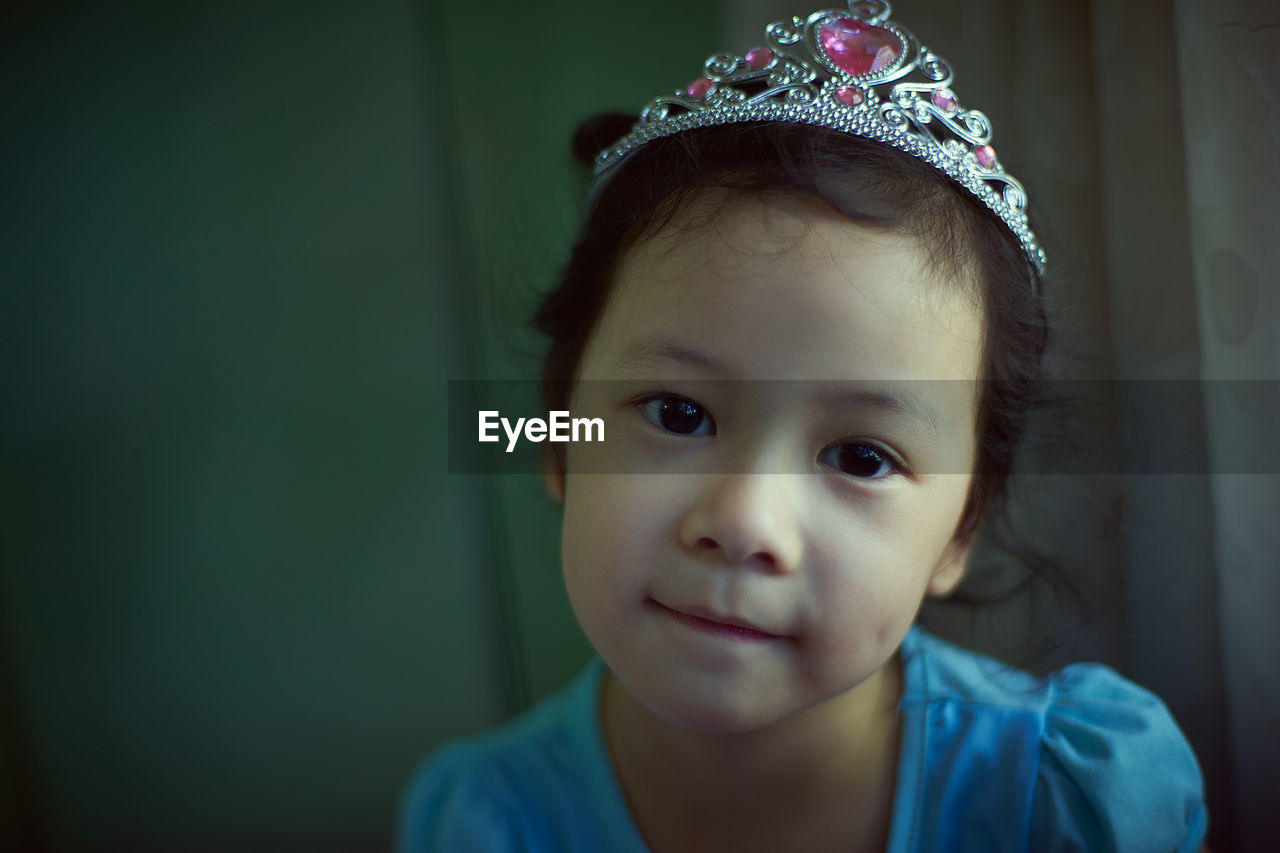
pixel 888 465
pixel 653 415
pixel 652 408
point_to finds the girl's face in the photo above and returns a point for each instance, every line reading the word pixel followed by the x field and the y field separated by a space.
pixel 740 549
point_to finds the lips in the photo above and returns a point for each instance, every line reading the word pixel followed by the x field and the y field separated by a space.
pixel 707 621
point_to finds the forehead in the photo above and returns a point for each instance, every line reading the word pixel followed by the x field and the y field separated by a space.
pixel 780 289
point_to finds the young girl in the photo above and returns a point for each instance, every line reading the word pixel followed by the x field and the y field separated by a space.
pixel 805 302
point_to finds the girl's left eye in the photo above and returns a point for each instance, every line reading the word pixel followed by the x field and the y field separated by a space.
pixel 859 459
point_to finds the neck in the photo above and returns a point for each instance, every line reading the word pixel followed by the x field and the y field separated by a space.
pixel 840 752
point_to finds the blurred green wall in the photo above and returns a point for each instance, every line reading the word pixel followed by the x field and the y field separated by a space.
pixel 246 245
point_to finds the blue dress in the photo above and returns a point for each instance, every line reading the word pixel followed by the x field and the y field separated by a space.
pixel 992 759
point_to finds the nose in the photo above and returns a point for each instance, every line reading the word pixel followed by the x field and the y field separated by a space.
pixel 747 520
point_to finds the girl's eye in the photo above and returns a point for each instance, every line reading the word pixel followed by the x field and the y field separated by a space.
pixel 858 459
pixel 677 414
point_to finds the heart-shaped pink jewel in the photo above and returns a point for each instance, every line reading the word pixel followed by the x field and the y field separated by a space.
pixel 859 48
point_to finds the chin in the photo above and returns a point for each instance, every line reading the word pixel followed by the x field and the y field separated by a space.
pixel 708 712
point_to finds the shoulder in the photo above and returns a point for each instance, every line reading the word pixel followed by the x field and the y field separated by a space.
pixel 459 799
pixel 1115 769
pixel 1094 761
pixel 530 784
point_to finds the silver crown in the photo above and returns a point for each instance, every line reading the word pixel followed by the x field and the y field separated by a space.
pixel 856 72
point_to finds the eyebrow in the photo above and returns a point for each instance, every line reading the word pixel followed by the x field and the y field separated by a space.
pixel 900 400
pixel 659 348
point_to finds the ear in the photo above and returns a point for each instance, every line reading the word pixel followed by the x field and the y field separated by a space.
pixel 951 567
pixel 552 475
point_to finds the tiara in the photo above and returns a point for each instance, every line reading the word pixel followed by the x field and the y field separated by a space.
pixel 856 72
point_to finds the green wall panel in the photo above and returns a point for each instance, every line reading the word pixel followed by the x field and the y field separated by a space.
pixel 240 594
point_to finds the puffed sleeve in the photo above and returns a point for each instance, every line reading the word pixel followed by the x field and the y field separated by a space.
pixel 452 804
pixel 1115 771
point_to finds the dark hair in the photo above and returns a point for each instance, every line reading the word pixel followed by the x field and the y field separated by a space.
pixel 863 181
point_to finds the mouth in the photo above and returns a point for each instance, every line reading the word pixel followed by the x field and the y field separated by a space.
pixel 728 627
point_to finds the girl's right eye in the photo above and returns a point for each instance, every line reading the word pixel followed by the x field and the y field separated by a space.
pixel 675 414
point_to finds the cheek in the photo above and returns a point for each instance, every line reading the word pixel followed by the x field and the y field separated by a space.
pixel 608 542
pixel 583 544
pixel 875 572
pixel 869 595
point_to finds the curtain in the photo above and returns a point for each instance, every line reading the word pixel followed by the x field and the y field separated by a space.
pixel 1148 136
pixel 1228 56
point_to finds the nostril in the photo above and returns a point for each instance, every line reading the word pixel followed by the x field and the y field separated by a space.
pixel 763 557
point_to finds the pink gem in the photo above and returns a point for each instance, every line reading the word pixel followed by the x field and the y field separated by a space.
pixel 699 87
pixel 759 57
pixel 986 156
pixel 945 100
pixel 850 96
pixel 859 48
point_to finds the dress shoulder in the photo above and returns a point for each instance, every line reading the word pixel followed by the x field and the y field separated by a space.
pixel 999 759
pixel 1116 772
pixel 456 800
pixel 540 782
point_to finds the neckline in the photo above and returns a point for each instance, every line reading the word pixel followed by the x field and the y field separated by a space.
pixel 905 805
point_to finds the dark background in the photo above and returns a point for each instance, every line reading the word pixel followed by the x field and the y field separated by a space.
pixel 244 248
